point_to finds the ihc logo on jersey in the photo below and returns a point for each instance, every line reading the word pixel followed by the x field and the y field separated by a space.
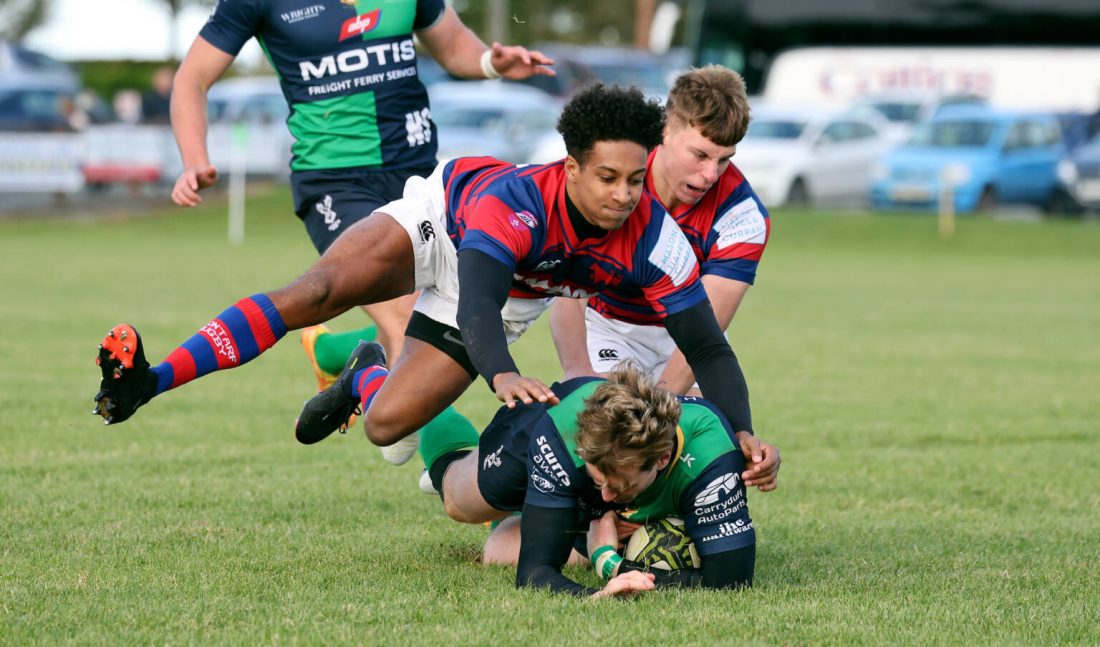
pixel 324 207
pixel 359 25
pixel 608 353
pixel 419 127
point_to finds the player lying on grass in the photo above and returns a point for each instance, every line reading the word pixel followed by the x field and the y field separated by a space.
pixel 690 173
pixel 511 238
pixel 621 444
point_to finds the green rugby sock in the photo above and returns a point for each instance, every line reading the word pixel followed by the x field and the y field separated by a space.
pixel 333 349
pixel 448 432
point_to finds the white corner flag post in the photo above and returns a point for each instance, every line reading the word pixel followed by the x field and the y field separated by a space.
pixel 237 171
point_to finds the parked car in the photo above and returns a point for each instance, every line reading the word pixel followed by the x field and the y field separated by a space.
pixel 991 157
pixel 504 120
pixel 1081 177
pixel 36 107
pixel 800 155
pixel 37 92
pixel 904 110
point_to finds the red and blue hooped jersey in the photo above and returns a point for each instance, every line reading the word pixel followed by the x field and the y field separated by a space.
pixel 728 230
pixel 518 216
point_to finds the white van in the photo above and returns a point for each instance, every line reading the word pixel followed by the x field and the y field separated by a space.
pixel 1041 78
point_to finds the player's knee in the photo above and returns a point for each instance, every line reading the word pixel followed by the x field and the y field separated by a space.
pixel 382 429
pixel 453 510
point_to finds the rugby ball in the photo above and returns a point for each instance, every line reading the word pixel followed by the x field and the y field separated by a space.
pixel 662 544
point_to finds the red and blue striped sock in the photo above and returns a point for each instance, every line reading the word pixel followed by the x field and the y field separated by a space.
pixel 366 383
pixel 236 336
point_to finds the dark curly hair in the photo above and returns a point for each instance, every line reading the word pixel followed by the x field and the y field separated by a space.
pixel 602 113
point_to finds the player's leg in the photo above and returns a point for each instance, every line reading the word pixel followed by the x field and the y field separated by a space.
pixel 391 318
pixel 373 261
pixel 329 205
pixel 423 382
pixel 502 545
pixel 462 499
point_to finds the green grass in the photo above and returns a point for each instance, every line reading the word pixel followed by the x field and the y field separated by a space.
pixel 937 404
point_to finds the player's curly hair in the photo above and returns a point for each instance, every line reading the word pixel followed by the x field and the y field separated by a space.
pixel 628 421
pixel 602 113
pixel 712 99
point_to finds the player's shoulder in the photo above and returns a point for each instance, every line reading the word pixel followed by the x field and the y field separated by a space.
pixel 706 432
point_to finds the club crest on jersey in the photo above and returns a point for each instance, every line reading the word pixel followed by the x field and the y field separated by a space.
pixel 359 25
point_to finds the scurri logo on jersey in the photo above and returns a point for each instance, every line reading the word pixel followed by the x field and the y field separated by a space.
pixel 359 25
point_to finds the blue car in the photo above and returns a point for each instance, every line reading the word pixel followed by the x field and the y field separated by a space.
pixel 990 157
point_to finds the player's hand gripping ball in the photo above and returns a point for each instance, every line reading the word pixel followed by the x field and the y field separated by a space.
pixel 662 544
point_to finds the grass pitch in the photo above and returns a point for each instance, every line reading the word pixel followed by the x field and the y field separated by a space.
pixel 936 404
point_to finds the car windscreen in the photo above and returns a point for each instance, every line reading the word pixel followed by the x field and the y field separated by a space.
pixel 898 111
pixel 775 129
pixel 954 133
pixel 31 104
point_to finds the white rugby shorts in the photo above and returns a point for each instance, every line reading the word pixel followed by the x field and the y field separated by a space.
pixel 422 213
pixel 611 341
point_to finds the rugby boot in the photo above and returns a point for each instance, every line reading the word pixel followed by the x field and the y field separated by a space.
pixel 331 409
pixel 127 383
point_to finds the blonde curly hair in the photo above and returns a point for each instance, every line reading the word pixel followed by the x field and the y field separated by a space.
pixel 628 421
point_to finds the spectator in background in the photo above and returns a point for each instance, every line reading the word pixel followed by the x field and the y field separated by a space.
pixel 156 102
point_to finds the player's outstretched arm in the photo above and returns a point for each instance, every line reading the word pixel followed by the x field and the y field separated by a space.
pixel 203 65
pixel 461 52
pixel 545 542
pixel 483 289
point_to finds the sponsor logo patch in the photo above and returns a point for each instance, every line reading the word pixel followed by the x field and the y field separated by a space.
pixel 673 254
pixel 550 463
pixel 716 488
pixel 730 529
pixel 359 25
pixel 418 127
pixel 305 13
pixel 541 483
pixel 608 353
pixel 741 223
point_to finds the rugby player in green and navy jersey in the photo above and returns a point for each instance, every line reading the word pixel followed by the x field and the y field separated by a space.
pixel 621 449
pixel 358 113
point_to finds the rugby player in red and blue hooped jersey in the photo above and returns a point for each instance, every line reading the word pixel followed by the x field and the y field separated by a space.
pixel 588 202
pixel 691 175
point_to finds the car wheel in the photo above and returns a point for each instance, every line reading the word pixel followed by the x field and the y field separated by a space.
pixel 1062 203
pixel 798 195
pixel 987 201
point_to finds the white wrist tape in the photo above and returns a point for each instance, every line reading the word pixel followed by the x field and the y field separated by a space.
pixel 487 68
